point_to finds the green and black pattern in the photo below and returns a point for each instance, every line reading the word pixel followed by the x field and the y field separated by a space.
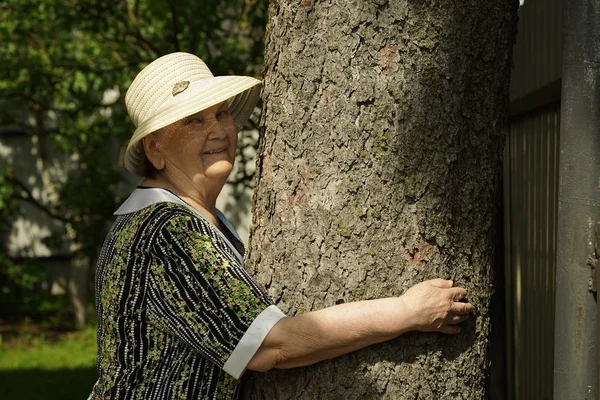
pixel 173 301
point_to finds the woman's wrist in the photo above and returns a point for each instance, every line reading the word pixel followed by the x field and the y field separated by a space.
pixel 393 317
pixel 407 314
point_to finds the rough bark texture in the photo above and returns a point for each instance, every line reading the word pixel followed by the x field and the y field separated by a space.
pixel 383 124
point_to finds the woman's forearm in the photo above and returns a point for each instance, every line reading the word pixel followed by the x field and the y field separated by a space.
pixel 430 306
pixel 331 332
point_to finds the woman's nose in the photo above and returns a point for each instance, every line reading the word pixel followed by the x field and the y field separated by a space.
pixel 217 129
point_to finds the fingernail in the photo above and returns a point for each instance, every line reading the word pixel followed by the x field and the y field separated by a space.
pixel 450 282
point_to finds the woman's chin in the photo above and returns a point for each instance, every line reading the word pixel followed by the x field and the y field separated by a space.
pixel 218 169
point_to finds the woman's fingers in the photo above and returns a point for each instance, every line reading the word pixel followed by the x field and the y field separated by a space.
pixel 449 329
pixel 457 319
pixel 441 283
pixel 462 308
pixel 458 293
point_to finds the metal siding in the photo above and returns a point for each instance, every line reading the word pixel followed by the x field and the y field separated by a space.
pixel 531 174
pixel 537 54
pixel 508 273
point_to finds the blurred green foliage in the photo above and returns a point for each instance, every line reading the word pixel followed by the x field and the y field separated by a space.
pixel 20 295
pixel 65 66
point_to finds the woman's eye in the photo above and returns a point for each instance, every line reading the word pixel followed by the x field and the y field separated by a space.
pixel 194 121
pixel 223 114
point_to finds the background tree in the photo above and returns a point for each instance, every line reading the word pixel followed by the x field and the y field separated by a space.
pixel 379 167
pixel 65 67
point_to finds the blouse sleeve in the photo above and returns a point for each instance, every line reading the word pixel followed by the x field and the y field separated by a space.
pixel 209 302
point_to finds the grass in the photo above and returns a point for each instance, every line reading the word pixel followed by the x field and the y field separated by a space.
pixel 47 365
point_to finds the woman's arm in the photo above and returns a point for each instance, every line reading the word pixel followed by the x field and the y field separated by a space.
pixel 331 332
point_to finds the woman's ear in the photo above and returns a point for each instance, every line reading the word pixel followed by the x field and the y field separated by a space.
pixel 153 151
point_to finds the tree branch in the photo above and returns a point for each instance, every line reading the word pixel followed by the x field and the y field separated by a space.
pixel 175 24
pixel 27 196
pixel 132 12
pixel 141 40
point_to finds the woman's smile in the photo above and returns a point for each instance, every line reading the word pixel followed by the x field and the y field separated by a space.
pixel 216 151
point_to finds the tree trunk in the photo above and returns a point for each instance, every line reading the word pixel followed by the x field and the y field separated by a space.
pixel 78 287
pixel 383 125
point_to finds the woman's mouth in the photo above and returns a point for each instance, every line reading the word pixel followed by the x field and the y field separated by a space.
pixel 216 151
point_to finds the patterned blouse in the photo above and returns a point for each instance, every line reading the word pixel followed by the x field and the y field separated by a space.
pixel 178 315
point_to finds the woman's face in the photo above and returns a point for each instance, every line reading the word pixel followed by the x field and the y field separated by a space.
pixel 200 146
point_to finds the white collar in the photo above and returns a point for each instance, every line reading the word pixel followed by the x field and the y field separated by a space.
pixel 142 198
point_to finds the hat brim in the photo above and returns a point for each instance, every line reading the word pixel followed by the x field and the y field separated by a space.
pixel 242 93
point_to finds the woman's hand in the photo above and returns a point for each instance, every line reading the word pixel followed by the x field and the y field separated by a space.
pixel 433 306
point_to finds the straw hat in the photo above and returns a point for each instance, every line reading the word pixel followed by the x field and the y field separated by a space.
pixel 177 85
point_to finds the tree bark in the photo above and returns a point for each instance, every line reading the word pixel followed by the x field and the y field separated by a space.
pixel 379 167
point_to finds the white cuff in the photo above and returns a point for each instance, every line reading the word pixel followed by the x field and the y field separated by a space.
pixel 251 341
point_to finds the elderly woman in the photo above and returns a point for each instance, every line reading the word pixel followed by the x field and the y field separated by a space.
pixel 178 315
